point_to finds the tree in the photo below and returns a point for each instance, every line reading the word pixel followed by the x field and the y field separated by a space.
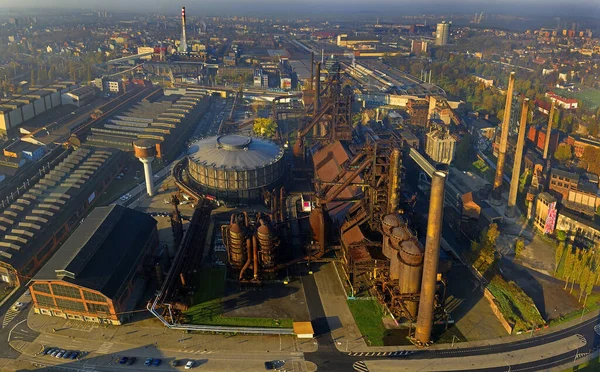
pixel 577 266
pixel 589 285
pixel 563 152
pixel 561 235
pixel 519 246
pixel 463 152
pixel 560 250
pixel 583 279
pixel 265 127
pixel 569 262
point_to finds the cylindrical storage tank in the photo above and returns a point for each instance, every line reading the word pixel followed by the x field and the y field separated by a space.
pixel 267 250
pixel 143 148
pixel 388 223
pixel 235 168
pixel 399 234
pixel 237 247
pixel 411 269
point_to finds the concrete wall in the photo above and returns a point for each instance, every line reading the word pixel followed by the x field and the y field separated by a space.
pixel 4 121
pixel 490 297
pixel 15 117
pixel 55 99
pixel 38 104
pixel 27 111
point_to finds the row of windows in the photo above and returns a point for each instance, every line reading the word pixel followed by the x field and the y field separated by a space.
pixel 66 291
pixel 65 304
pixel 70 305
pixel 42 287
pixel 91 296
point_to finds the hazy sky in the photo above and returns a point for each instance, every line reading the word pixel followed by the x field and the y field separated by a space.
pixel 307 7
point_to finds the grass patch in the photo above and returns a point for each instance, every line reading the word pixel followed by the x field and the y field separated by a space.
pixel 207 308
pixel 515 305
pixel 368 314
pixel 589 97
pixel 483 170
pixel 589 366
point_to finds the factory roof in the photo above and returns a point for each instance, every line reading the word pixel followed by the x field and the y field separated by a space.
pixel 233 151
pixel 102 251
pixel 81 91
pixel 31 220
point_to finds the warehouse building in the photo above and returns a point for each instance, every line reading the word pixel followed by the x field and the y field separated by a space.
pixel 100 273
pixel 161 119
pixel 34 222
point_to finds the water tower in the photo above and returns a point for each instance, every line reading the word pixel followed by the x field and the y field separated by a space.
pixel 146 151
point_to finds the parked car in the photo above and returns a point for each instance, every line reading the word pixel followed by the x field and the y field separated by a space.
pixel 75 355
pixel 60 353
pixel 54 352
pixel 131 360
pixel 67 355
pixel 189 364
pixel 123 360
pixel 48 350
pixel 148 361
pixel 156 362
pixel 174 363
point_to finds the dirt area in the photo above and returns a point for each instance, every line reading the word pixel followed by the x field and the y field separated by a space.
pixel 272 300
pixel 546 291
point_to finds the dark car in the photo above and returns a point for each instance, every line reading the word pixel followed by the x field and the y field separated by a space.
pixel 123 360
pixel 67 355
pixel 174 363
pixel 75 355
pixel 269 366
pixel 156 362
pixel 48 350
pixel 131 360
pixel 148 361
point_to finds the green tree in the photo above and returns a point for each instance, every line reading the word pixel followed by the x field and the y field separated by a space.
pixel 561 235
pixel 463 152
pixel 265 127
pixel 563 152
pixel 583 279
pixel 569 263
pixel 577 266
pixel 589 285
pixel 519 247
pixel 560 250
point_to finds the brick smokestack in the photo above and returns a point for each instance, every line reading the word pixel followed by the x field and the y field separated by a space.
pixel 497 191
pixel 516 172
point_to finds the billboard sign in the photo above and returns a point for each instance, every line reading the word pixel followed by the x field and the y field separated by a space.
pixel 550 219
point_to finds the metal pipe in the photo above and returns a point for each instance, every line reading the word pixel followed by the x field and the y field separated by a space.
pixel 274 206
pixel 549 130
pixel 281 204
pixel 147 162
pixel 249 259
pixel 318 88
pixel 393 181
pixel 312 69
pixel 497 192
pixel 431 260
pixel 255 256
pixel 348 181
pixel 514 181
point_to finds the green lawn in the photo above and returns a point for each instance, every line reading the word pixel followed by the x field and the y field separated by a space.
pixel 590 366
pixel 589 97
pixel 207 308
pixel 592 304
pixel 367 314
pixel 515 305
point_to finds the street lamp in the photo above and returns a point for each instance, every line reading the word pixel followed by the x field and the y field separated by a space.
pixel 507 365
pixel 454 337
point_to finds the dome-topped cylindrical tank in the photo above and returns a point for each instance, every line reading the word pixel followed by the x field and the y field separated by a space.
pixel 388 223
pixel 237 246
pixel 267 249
pixel 399 234
pixel 235 168
pixel 411 269
pixel 144 148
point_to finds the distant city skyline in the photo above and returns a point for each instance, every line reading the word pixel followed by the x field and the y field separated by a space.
pixel 587 8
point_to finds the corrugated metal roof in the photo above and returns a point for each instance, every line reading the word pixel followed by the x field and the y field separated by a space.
pixel 235 152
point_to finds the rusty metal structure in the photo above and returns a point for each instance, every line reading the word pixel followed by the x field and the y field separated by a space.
pixel 514 180
pixel 252 244
pixel 497 190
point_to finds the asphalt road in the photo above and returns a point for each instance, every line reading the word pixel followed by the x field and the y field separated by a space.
pixel 17 329
pixel 328 358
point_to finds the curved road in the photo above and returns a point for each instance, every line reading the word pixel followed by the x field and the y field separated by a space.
pixel 328 358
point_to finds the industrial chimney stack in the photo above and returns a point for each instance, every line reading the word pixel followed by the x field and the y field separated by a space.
pixel 146 151
pixel 516 172
pixel 549 130
pixel 497 191
pixel 432 258
pixel 183 46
